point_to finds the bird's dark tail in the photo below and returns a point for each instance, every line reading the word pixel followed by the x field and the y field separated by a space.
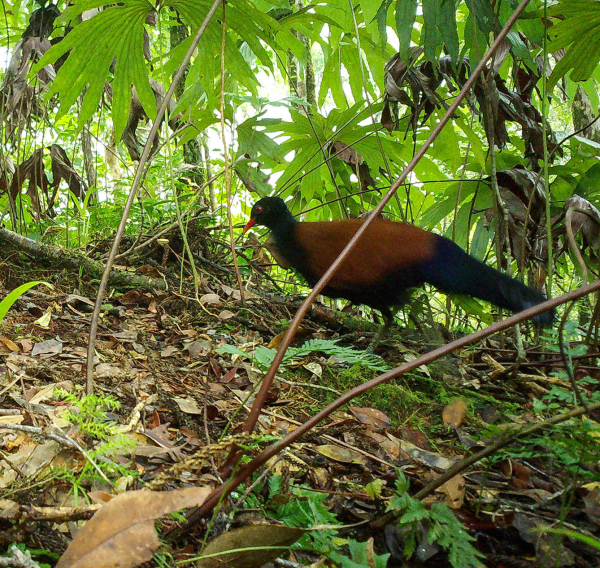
pixel 452 270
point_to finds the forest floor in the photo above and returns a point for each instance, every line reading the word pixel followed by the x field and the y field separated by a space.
pixel 169 392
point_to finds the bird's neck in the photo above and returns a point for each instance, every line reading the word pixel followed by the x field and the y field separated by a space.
pixel 289 247
pixel 283 227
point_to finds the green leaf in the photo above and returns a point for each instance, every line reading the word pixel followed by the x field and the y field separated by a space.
pixel 246 22
pixel 484 14
pixel 416 512
pixel 586 539
pixel 579 34
pixel 116 32
pixel 471 306
pixel 406 12
pixel 264 356
pixel 307 21
pixel 381 19
pixel 251 141
pixel 448 28
pixel 520 49
pixel 481 239
pixel 589 184
pixel 430 35
pixel 232 350
pixel 13 296
pixel 331 80
pixel 77 7
pixel 361 556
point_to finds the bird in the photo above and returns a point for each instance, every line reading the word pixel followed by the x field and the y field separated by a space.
pixel 387 263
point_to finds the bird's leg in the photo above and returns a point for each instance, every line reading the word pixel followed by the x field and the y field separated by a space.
pixel 388 320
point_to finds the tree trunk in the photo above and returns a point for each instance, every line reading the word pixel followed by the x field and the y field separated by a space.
pixel 88 160
pixel 311 84
pixel 583 114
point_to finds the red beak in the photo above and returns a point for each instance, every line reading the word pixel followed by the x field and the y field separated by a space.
pixel 249 225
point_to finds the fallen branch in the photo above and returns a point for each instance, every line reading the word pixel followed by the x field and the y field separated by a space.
pixel 24 513
pixel 58 257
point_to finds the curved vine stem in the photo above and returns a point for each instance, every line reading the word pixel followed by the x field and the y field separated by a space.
pixel 268 380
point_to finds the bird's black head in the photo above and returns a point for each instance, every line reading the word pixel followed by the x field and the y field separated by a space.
pixel 271 212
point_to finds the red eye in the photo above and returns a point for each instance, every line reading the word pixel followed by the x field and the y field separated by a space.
pixel 258 209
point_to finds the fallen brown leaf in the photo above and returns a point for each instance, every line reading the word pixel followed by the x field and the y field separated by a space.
pixel 229 546
pixel 47 348
pixel 337 453
pixel 372 417
pixel 10 344
pixel 210 299
pixel 454 414
pixel 454 489
pixel 121 534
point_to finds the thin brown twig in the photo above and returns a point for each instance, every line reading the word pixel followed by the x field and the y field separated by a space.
pixel 58 514
pixel 372 113
pixel 213 465
pixel 237 505
pixel 174 224
pixel 594 322
pixel 322 146
pixel 139 173
pixel 565 358
pixel 333 440
pixel 500 205
pixel 573 244
pixel 236 268
pixel 539 175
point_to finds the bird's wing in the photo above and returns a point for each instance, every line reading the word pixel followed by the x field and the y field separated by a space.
pixel 383 249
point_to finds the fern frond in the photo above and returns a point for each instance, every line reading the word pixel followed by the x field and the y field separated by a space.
pixel 331 347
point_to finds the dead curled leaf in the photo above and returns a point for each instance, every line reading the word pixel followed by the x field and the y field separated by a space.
pixel 8 509
pixel 210 299
pixel 188 405
pixel 47 348
pixel 121 534
pixel 391 448
pixel 9 344
pixel 430 459
pixel 454 489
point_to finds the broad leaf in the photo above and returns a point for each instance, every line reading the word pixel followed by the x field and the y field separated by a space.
pixel 579 34
pixel 406 11
pixel 115 33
